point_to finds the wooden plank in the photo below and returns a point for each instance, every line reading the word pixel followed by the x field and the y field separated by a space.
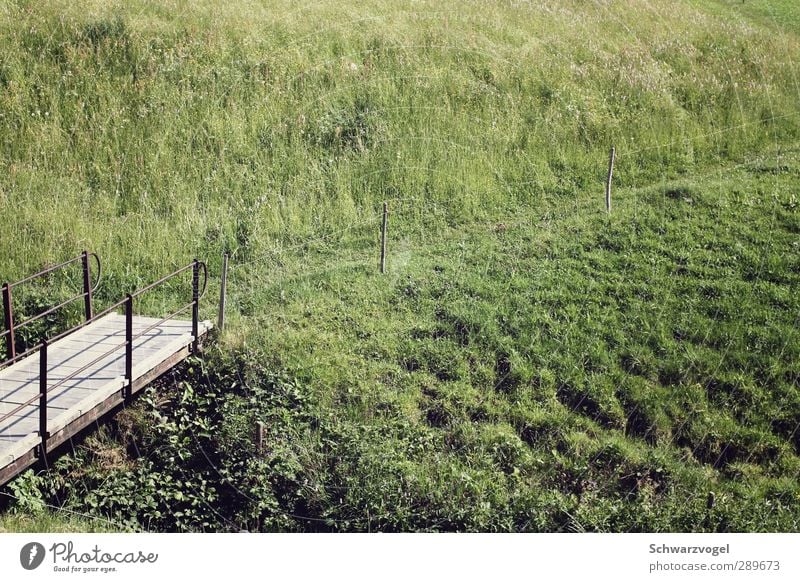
pixel 17 466
pixel 60 435
pixel 19 448
pixel 112 394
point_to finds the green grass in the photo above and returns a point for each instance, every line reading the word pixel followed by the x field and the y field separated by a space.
pixel 151 129
pixel 591 373
pixel 54 522
pixel 780 14
pixel 528 363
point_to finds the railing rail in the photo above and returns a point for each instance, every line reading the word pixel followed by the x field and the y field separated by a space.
pixel 11 326
pixel 45 389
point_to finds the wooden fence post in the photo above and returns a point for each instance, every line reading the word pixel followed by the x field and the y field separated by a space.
pixel 223 290
pixel 259 437
pixel 384 226
pixel 610 176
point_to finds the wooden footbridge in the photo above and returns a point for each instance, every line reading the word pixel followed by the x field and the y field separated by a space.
pixel 53 391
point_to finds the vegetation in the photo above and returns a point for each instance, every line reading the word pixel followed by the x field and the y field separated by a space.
pixel 528 363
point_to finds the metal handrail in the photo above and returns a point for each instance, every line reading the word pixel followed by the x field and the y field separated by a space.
pixel 128 343
pixel 62 265
pixel 18 408
pixel 112 308
pixel 46 313
pixel 173 274
pixel 11 326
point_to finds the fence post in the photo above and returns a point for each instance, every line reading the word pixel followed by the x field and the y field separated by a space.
pixel 128 391
pixel 195 304
pixel 87 286
pixel 223 289
pixel 259 437
pixel 384 226
pixel 608 180
pixel 8 316
pixel 43 398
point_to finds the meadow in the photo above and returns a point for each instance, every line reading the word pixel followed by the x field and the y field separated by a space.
pixel 528 362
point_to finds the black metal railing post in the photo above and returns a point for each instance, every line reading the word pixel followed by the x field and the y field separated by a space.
pixel 128 346
pixel 43 397
pixel 195 304
pixel 87 286
pixel 8 317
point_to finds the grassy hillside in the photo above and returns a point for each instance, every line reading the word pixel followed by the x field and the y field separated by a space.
pixel 187 128
pixel 528 363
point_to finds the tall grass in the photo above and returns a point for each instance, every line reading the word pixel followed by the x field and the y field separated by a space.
pixel 153 133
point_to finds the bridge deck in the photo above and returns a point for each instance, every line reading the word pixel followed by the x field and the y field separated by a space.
pixel 83 399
